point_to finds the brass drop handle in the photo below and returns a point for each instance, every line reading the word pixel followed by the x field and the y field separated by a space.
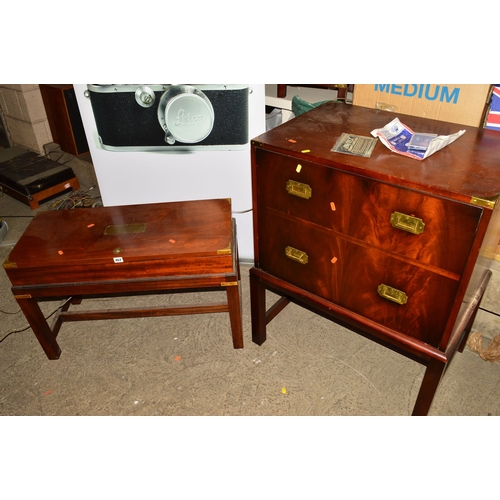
pixel 298 189
pixel 297 255
pixel 407 223
pixel 392 294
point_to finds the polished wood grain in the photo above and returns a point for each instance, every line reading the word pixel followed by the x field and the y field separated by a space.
pixel 348 273
pixel 163 248
pixel 468 167
pixel 72 245
pixel 324 237
pixel 360 207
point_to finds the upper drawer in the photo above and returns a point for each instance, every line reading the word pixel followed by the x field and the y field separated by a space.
pixel 433 230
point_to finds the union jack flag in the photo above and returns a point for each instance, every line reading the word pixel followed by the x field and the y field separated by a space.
pixel 493 118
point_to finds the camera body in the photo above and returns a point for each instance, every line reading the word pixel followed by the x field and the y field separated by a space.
pixel 160 117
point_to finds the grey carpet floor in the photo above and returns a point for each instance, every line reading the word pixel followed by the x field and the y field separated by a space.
pixel 186 365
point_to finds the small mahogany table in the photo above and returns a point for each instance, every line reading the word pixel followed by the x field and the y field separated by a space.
pixel 152 248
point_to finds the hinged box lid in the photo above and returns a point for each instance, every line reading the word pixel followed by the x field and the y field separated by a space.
pixel 124 242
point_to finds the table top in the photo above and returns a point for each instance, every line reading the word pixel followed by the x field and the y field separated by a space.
pixel 135 234
pixel 469 167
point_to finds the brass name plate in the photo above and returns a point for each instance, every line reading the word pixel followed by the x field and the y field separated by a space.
pixel 125 229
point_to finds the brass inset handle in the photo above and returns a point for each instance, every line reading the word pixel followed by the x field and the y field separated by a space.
pixel 392 294
pixel 297 255
pixel 298 189
pixel 407 223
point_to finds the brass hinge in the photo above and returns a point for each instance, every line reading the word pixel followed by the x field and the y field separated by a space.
pixel 485 202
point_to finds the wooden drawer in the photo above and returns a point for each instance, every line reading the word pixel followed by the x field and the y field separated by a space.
pixel 348 273
pixel 376 213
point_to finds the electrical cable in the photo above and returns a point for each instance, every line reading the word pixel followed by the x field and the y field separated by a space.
pixel 48 156
pixel 76 199
pixel 243 211
pixel 490 312
pixel 28 326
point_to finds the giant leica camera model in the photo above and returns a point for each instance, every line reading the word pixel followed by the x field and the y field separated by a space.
pixel 152 117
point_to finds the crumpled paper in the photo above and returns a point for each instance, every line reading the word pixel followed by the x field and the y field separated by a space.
pixel 396 136
pixel 490 353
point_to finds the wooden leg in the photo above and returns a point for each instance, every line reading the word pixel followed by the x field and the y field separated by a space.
pixel 281 90
pixel 235 317
pixel 341 93
pixel 40 327
pixel 467 330
pixel 432 377
pixel 258 309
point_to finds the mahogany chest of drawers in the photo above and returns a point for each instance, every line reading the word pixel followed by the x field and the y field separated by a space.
pixel 393 248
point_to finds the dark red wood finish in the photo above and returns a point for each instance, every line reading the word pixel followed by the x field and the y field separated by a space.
pixel 344 228
pixel 151 248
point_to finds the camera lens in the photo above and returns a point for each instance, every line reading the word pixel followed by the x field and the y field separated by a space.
pixel 186 114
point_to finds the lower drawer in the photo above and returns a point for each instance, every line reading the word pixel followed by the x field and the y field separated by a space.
pixel 399 295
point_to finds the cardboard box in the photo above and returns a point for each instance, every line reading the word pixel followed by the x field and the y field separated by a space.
pixel 451 102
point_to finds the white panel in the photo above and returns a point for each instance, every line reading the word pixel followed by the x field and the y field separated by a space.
pixel 127 178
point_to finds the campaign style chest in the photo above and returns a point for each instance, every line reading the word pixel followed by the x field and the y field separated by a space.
pixel 146 249
pixel 391 247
